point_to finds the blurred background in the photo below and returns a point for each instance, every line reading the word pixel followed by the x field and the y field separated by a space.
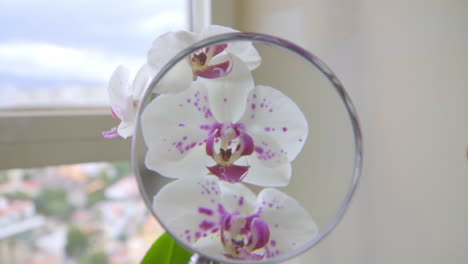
pixel 403 63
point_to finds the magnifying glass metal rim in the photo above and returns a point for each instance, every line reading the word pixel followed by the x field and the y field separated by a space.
pixel 322 67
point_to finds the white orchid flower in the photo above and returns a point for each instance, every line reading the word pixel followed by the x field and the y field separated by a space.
pixel 124 98
pixel 227 220
pixel 225 127
pixel 209 63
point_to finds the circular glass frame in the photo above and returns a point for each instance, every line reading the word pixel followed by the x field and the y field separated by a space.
pixel 308 57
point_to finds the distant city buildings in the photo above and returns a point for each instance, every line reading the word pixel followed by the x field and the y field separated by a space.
pixel 101 201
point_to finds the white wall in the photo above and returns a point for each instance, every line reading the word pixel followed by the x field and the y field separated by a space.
pixel 405 65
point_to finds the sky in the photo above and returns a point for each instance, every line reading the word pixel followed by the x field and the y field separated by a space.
pixel 53 49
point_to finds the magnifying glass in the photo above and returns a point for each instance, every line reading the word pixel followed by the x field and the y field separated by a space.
pixel 247 149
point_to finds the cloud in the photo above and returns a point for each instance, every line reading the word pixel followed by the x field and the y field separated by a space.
pixel 163 22
pixel 51 61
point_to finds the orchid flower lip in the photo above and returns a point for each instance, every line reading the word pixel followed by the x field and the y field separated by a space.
pixel 200 63
pixel 234 143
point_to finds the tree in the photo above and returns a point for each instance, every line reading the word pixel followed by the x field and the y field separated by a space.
pixel 4 177
pixel 77 242
pixel 54 202
pixel 18 196
pixel 95 258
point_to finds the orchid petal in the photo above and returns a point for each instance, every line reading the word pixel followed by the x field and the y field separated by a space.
pixel 189 207
pixel 228 95
pixel 244 50
pixel 215 50
pixel 127 115
pixel 173 125
pixel 119 89
pixel 230 173
pixel 215 71
pixel 112 133
pixel 271 114
pixel 260 234
pixel 291 226
pixel 237 197
pixel 261 175
pixel 176 80
pixel 190 166
pixel 211 246
pixel 125 129
pixel 166 46
pixel 142 79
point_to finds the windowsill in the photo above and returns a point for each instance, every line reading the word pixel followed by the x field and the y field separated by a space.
pixel 34 138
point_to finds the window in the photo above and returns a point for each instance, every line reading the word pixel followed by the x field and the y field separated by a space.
pixel 55 61
pixel 59 54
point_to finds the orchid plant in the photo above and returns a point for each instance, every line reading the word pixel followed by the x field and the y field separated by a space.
pixel 213 130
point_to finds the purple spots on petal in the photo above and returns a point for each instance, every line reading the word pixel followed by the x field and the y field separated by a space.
pixel 188 100
pixel 271 110
pixel 184 138
pixel 285 129
pixel 208 113
pixel 206 211
pixel 187 231
pixel 206 225
pixel 258 149
pixel 253 106
pixel 180 105
pixel 276 225
pixel 205 127
pixel 252 116
pixel 273 243
pixel 197 235
pixel 254 95
pixel 267 129
pixel 181 124
pixel 300 140
pixel 241 201
pixel 262 105
pixel 225 100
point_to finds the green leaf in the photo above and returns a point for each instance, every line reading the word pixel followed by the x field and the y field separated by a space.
pixel 166 251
